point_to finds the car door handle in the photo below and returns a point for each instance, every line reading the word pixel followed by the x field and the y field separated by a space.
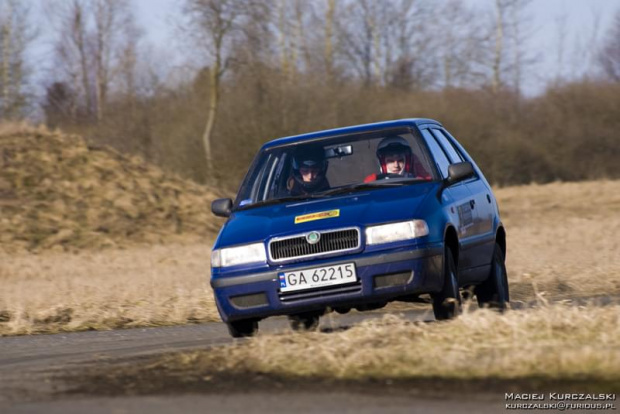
pixel 472 203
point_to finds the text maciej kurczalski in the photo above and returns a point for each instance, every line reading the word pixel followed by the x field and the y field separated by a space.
pixel 556 396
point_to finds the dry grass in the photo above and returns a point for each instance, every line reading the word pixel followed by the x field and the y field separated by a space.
pixel 550 342
pixel 150 286
pixel 563 238
pixel 558 242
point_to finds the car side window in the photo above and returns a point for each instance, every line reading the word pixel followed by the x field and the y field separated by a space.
pixel 277 185
pixel 441 160
pixel 264 178
pixel 456 145
pixel 447 146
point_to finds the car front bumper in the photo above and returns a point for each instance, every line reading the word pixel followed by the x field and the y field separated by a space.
pixel 382 276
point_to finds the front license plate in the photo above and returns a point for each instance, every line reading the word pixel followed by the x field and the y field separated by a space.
pixel 317 277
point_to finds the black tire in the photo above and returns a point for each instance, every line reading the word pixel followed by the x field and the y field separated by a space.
pixel 304 321
pixel 242 329
pixel 447 303
pixel 493 292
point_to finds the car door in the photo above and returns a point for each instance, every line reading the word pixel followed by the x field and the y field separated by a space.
pixel 456 200
pixel 483 241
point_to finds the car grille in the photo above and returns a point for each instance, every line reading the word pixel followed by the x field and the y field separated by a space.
pixel 330 242
pixel 293 297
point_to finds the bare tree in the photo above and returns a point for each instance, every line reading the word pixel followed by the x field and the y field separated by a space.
pixel 609 56
pixel 291 37
pixel 311 35
pixel 410 44
pixel 520 33
pixel 560 24
pixel 299 48
pixel 328 53
pixel 112 22
pixel 511 55
pixel 127 70
pixel 359 33
pixel 95 41
pixel 215 25
pixel 283 36
pixel 15 37
pixel 461 42
pixel 388 42
pixel 500 12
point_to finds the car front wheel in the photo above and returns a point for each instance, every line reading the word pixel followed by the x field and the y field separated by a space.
pixel 447 303
pixel 241 329
pixel 304 322
pixel 493 292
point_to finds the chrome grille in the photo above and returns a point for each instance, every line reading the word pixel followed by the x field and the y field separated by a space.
pixel 331 241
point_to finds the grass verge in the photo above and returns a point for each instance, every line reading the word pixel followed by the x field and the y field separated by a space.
pixel 556 345
pixel 556 341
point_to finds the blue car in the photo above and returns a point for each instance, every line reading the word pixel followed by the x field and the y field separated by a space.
pixel 354 218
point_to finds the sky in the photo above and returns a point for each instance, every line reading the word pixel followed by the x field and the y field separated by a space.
pixel 585 23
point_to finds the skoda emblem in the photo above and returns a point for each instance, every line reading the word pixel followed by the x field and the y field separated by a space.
pixel 313 238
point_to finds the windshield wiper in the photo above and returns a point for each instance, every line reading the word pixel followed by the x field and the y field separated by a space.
pixel 350 189
pixel 371 185
pixel 279 200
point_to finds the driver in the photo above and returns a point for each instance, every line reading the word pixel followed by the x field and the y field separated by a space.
pixel 396 159
pixel 309 167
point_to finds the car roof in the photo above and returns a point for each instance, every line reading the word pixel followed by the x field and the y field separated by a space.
pixel 348 130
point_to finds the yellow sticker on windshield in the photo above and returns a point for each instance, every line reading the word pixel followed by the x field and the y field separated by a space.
pixel 317 216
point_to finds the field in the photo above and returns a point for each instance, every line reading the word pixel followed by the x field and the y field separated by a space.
pixel 141 286
pixel 563 238
pixel 562 243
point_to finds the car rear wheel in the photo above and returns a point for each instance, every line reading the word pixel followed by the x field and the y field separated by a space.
pixel 241 329
pixel 447 303
pixel 304 321
pixel 493 292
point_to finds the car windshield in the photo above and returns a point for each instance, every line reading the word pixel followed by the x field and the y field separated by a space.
pixel 336 165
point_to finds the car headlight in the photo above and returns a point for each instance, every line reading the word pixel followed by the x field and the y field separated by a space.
pixel 387 233
pixel 231 256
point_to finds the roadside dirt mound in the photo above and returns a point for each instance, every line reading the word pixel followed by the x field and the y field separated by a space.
pixel 58 193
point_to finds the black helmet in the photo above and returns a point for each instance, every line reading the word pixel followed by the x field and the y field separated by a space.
pixel 309 157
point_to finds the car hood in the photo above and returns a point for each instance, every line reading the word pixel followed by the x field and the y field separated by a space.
pixel 357 209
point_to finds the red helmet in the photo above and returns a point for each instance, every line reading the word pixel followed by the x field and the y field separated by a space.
pixel 394 145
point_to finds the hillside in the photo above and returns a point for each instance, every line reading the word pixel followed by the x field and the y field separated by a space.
pixel 58 193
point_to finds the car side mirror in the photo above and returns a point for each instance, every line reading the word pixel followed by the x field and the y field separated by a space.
pixel 459 172
pixel 222 207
